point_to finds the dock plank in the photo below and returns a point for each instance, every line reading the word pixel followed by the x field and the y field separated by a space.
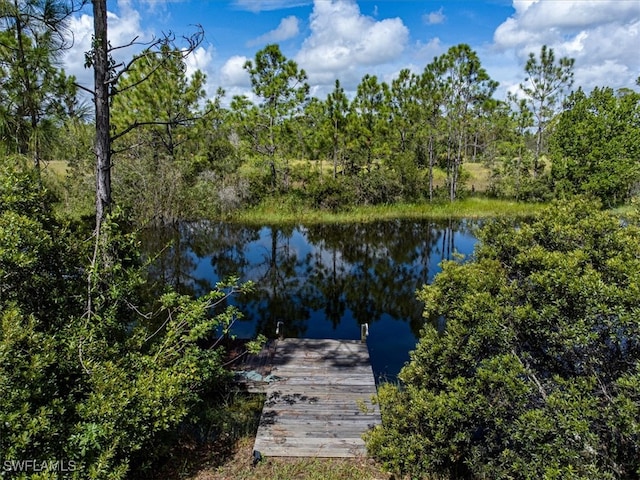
pixel 320 403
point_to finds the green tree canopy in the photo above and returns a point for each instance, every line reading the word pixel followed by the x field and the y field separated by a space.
pixel 99 377
pixel 282 90
pixel 546 82
pixel 536 371
pixel 595 145
pixel 34 91
pixel 156 113
pixel 466 86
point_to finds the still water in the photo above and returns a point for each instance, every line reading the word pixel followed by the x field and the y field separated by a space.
pixel 322 281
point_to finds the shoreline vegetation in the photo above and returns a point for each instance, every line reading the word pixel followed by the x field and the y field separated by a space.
pixel 279 212
pixel 292 209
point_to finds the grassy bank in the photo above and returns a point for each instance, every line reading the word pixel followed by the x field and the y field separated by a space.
pixel 239 466
pixel 289 211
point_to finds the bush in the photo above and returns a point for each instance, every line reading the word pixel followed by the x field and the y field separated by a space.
pixel 331 193
pixel 92 370
pixel 537 373
pixel 377 186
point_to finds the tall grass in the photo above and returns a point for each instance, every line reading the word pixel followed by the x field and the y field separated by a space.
pixel 240 467
pixel 282 211
pixel 59 168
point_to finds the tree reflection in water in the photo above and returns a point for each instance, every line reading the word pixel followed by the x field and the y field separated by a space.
pixel 322 281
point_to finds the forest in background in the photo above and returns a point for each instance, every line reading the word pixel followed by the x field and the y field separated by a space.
pixel 175 154
pixel 179 155
pixel 102 368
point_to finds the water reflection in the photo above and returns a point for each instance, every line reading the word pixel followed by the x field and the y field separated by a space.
pixel 323 281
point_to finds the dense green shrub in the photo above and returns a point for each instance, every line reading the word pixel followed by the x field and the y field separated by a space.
pixel 332 193
pixel 377 186
pixel 92 370
pixel 537 371
pixel 596 145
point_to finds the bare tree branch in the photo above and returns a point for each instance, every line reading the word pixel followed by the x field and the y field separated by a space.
pixel 193 42
pixel 531 374
pixel 84 89
pixel 131 43
pixel 136 124
pixel 177 121
pixel 116 91
pixel 127 148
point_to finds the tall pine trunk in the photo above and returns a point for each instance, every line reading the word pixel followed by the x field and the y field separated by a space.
pixel 432 161
pixel 102 145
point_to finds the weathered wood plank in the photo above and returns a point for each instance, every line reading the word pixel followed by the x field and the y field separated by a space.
pixel 327 380
pixel 302 414
pixel 320 408
pixel 300 393
pixel 326 421
pixel 315 447
pixel 319 452
pixel 336 405
pixel 311 390
pixel 314 432
pixel 317 442
pixel 318 370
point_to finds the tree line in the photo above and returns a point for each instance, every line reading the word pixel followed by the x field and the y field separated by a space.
pixel 170 152
pixel 407 141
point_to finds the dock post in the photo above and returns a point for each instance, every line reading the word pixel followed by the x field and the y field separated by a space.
pixel 280 330
pixel 364 332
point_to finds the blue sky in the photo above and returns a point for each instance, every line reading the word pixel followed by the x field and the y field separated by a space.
pixel 346 39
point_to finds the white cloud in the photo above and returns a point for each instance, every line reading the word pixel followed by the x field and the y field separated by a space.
pixel 262 5
pixel 522 5
pixel 74 58
pixel 288 28
pixel 233 73
pixel 510 35
pixel 152 4
pixel 343 40
pixel 576 14
pixel 200 59
pixel 434 18
pixel 424 53
pixel 159 7
pixel 608 69
pixel 602 36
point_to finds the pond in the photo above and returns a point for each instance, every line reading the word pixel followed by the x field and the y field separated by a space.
pixel 322 281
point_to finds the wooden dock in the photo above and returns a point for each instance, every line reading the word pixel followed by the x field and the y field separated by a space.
pixel 318 399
